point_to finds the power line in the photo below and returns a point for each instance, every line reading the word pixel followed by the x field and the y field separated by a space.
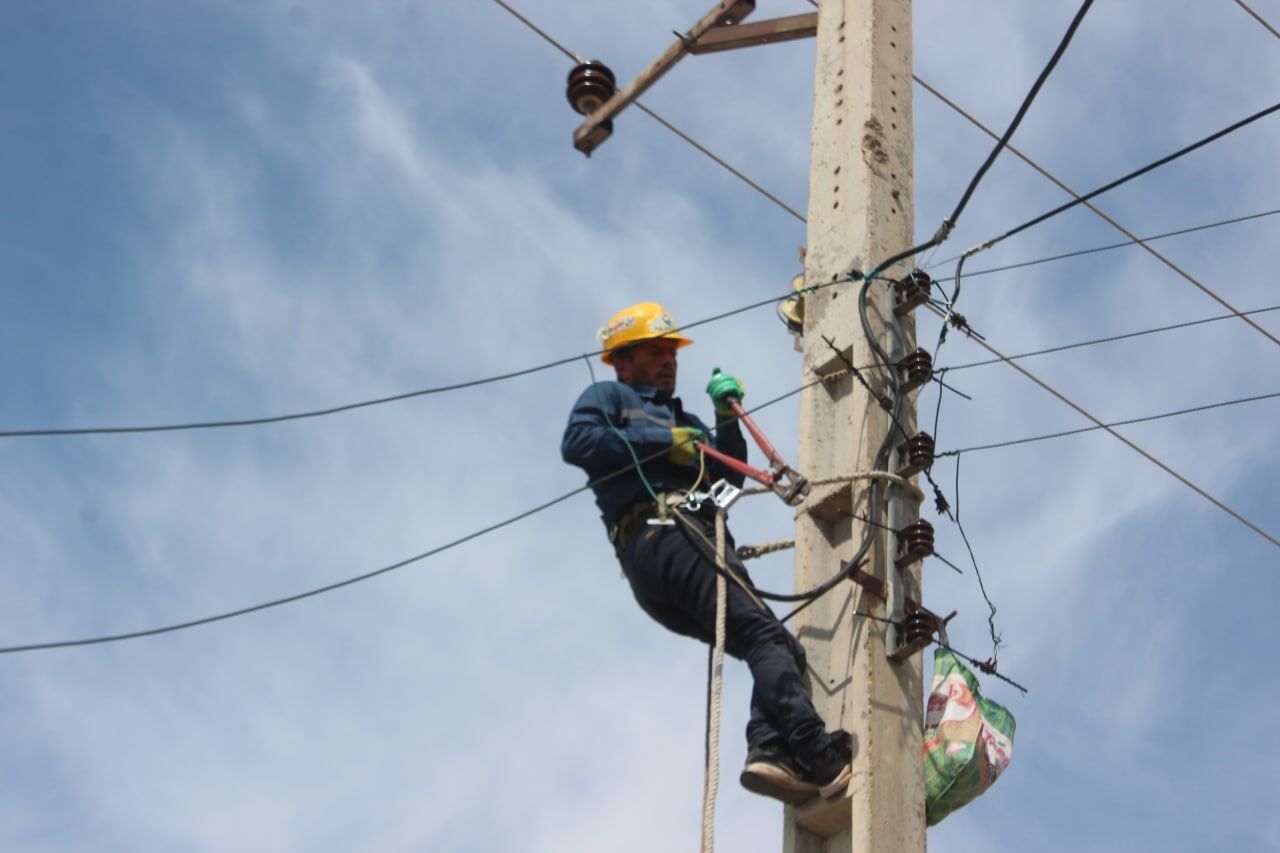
pixel 720 161
pixel 315 413
pixel 982 342
pixel 1022 110
pixel 1001 142
pixel 272 419
pixel 1109 339
pixel 1160 416
pixel 377 401
pixel 1136 173
pixel 996 640
pixel 289 599
pixel 1109 220
pixel 1257 17
pixel 545 37
pixel 1110 246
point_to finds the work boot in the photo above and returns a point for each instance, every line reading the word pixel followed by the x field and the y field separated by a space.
pixel 771 772
pixel 831 769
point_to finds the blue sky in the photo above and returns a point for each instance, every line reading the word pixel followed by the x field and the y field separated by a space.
pixel 221 209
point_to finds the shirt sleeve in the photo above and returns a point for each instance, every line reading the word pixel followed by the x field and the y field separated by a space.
pixel 593 444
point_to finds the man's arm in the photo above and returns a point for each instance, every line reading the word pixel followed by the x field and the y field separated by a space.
pixel 589 441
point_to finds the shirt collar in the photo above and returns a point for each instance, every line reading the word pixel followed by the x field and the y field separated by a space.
pixel 657 395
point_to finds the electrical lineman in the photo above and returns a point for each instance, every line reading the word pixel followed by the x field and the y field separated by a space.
pixel 656 535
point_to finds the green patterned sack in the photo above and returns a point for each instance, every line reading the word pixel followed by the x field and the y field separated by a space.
pixel 968 740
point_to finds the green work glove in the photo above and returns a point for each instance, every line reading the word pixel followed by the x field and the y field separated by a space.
pixel 683 449
pixel 721 387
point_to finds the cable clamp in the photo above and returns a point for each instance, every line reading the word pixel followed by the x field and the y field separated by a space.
pixel 981 247
pixel 944 231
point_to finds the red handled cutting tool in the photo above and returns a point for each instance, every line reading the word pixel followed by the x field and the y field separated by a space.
pixel 784 480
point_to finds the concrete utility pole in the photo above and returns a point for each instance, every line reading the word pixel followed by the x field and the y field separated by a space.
pixel 860 213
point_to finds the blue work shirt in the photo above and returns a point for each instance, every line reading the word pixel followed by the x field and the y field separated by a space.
pixel 646 417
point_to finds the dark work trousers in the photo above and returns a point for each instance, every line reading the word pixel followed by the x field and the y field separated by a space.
pixel 675 583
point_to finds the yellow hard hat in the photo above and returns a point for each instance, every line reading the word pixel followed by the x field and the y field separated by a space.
pixel 642 322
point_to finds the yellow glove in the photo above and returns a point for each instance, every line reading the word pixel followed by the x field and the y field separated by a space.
pixel 683 449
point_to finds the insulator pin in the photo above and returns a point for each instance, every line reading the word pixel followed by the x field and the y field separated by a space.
pixel 910 292
pixel 915 542
pixel 917 369
pixel 916 454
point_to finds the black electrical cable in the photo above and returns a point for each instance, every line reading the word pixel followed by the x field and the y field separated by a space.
pixel 1022 110
pixel 950 222
pixel 1168 158
pixel 1188 277
pixel 846 570
pixel 272 419
pixel 1146 419
pixel 808 595
pixel 996 640
pixel 289 599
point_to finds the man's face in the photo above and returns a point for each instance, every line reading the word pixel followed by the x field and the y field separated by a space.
pixel 650 363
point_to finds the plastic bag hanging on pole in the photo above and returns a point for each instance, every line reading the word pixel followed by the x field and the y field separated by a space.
pixel 968 739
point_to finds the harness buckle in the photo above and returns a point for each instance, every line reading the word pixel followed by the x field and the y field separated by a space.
pixel 724 494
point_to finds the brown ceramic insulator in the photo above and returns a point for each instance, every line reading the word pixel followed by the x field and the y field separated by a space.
pixel 911 292
pixel 917 369
pixel 918 628
pixel 921 449
pixel 915 542
pixel 590 85
pixel 918 537
pixel 916 454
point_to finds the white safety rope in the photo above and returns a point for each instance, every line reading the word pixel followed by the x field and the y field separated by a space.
pixel 711 782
